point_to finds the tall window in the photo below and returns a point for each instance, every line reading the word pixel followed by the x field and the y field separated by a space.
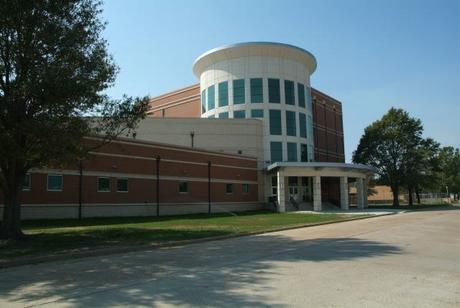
pixel 203 101
pixel 238 92
pixel 245 188
pixel 122 185
pixel 27 183
pixel 303 153
pixel 223 94
pixel 276 151
pixel 274 90
pixel 257 113
pixel 55 182
pixel 289 92
pixel 183 187
pixel 310 128
pixel 223 115
pixel 103 184
pixel 211 98
pixel 292 151
pixel 303 125
pixel 229 188
pixel 257 95
pixel 290 123
pixel 275 122
pixel 301 94
pixel 239 114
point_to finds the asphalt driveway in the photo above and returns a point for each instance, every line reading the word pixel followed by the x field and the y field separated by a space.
pixel 402 260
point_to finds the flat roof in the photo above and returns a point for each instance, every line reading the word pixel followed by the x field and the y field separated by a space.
pixel 251 49
pixel 323 165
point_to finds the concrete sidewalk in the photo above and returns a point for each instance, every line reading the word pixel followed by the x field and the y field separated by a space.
pixel 405 260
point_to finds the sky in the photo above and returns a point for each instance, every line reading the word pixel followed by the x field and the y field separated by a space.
pixel 372 55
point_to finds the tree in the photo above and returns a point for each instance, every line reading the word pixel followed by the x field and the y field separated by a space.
pixel 54 67
pixel 387 145
pixel 449 161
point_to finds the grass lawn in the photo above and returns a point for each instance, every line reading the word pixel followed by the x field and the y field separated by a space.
pixel 63 236
pixel 411 207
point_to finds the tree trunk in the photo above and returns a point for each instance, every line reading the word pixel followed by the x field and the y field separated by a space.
pixel 11 224
pixel 411 196
pixel 417 194
pixel 395 190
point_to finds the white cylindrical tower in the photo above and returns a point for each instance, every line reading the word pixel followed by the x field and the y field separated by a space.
pixel 270 81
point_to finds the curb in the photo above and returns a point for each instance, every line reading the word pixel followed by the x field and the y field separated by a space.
pixel 126 249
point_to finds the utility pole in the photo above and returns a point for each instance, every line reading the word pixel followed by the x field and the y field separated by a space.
pixel 80 189
pixel 192 135
pixel 209 187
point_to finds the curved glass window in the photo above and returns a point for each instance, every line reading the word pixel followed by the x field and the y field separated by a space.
pixel 211 98
pixel 291 123
pixel 303 125
pixel 239 114
pixel 238 92
pixel 257 113
pixel 223 94
pixel 276 151
pixel 301 94
pixel 303 153
pixel 223 115
pixel 257 95
pixel 292 151
pixel 274 90
pixel 289 92
pixel 275 122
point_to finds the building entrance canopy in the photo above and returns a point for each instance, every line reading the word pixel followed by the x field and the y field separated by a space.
pixel 316 170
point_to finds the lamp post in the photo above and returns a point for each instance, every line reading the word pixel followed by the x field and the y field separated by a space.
pixel 158 184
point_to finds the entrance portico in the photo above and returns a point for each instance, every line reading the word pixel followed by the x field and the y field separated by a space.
pixel 316 171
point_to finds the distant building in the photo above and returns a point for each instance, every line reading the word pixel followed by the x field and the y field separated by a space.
pixel 251 134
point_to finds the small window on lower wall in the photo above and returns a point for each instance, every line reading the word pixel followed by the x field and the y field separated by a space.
pixel 55 182
pixel 183 187
pixel 245 188
pixel 26 183
pixel 122 185
pixel 229 188
pixel 103 184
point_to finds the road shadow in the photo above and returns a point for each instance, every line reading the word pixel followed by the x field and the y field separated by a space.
pixel 206 274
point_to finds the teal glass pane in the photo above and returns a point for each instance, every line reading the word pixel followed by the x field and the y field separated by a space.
pixel 290 123
pixel 203 101
pixel 211 98
pixel 238 92
pixel 257 113
pixel 303 153
pixel 223 115
pixel 303 125
pixel 54 182
pixel 257 95
pixel 289 92
pixel 211 116
pixel 275 122
pixel 276 152
pixel 223 94
pixel 292 151
pixel 301 94
pixel 240 114
pixel 274 91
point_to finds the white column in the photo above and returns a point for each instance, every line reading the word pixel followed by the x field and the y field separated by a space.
pixel 281 192
pixel 365 202
pixel 344 193
pixel 359 193
pixel 317 203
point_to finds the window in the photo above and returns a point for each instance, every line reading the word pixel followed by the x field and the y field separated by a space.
pixel 183 187
pixel 240 114
pixel 274 91
pixel 290 123
pixel 223 115
pixel 303 125
pixel 276 151
pixel 55 182
pixel 257 113
pixel 203 101
pixel 211 98
pixel 292 151
pixel 257 95
pixel 303 153
pixel 122 185
pixel 275 122
pixel 274 185
pixel 310 152
pixel 301 94
pixel 310 128
pixel 223 94
pixel 103 184
pixel 289 92
pixel 245 188
pixel 229 188
pixel 26 182
pixel 238 92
